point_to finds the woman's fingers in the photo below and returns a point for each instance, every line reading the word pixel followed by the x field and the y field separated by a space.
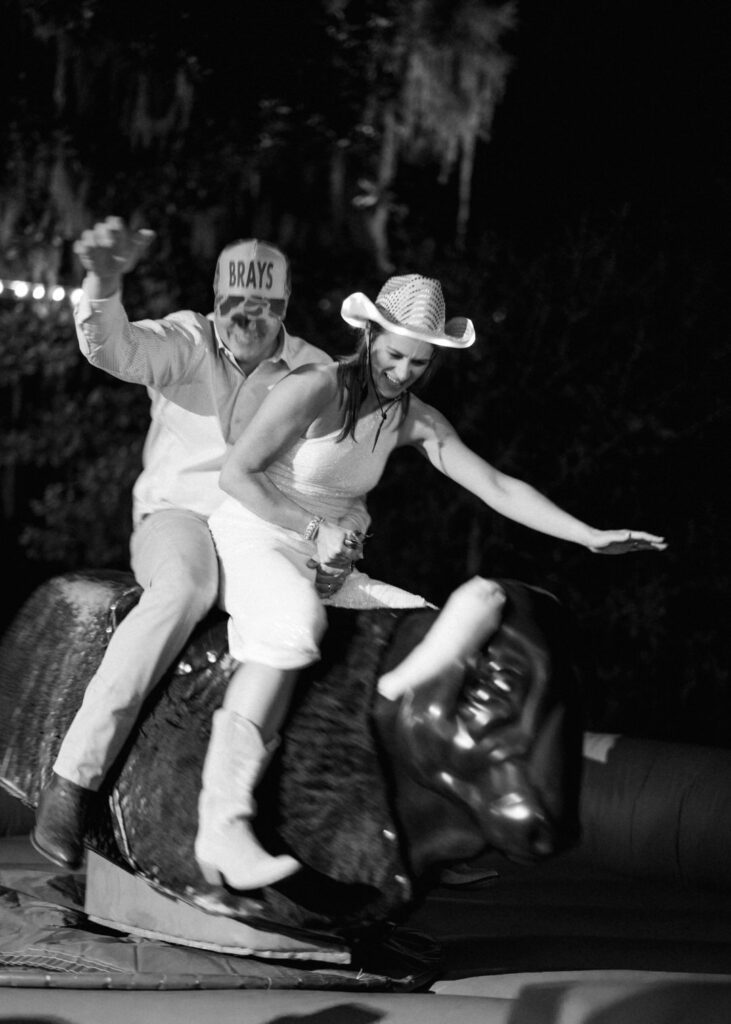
pixel 620 542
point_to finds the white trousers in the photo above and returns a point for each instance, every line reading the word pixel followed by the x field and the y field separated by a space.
pixel 267 588
pixel 174 560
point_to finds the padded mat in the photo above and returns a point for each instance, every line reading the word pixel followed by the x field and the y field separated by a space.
pixel 47 940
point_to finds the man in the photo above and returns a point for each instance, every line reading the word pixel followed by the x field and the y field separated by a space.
pixel 206 376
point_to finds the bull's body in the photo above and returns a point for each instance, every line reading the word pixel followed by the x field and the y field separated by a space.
pixel 329 798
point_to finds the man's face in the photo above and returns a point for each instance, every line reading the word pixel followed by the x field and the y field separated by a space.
pixel 249 327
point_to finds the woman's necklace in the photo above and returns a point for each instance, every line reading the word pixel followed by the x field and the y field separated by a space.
pixel 384 410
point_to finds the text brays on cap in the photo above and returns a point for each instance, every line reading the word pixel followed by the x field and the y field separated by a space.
pixel 256 274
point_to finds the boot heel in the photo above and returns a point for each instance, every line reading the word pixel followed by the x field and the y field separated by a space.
pixel 61 822
pixel 211 873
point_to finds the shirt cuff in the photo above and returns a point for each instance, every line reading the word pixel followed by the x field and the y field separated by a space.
pixel 86 308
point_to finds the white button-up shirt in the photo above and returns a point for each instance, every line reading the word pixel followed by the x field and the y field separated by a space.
pixel 200 398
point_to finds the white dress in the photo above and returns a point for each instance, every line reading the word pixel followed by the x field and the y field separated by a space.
pixel 276 616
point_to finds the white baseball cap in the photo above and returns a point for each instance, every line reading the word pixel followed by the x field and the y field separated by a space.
pixel 250 270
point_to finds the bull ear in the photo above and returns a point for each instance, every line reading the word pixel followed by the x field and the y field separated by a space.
pixel 471 615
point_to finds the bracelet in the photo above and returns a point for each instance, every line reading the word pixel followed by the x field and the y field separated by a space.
pixel 312 527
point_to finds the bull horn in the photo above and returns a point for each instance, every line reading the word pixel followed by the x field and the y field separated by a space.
pixel 469 618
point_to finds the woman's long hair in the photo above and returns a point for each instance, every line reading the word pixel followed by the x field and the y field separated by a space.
pixel 355 373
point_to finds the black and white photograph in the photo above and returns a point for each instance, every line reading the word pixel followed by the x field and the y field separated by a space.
pixel 364 408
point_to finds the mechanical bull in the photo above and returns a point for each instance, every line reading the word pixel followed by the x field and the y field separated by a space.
pixel 375 796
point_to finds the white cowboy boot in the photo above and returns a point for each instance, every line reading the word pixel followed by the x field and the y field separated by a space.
pixel 225 844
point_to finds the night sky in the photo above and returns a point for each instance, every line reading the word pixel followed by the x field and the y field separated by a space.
pixel 614 103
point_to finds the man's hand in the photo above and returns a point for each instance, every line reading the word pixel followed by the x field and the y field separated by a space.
pixel 107 251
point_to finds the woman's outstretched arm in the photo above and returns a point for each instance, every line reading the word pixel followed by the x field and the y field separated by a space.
pixel 427 429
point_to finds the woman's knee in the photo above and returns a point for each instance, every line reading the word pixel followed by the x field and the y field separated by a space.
pixel 285 634
pixel 304 610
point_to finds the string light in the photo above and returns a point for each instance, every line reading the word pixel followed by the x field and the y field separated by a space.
pixel 37 292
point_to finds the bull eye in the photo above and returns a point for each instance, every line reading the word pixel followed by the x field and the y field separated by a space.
pixel 501 683
pixel 486 680
pixel 475 688
pixel 489 698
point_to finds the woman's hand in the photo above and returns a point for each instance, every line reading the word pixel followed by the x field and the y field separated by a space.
pixel 336 545
pixel 622 542
pixel 333 572
pixel 329 579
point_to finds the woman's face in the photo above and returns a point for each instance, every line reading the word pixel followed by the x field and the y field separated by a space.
pixel 397 362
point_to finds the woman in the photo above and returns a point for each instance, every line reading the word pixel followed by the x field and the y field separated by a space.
pixel 319 442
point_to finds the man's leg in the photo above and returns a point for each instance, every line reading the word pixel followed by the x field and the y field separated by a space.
pixel 174 560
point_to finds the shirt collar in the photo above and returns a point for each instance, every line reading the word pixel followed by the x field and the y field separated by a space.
pixel 283 351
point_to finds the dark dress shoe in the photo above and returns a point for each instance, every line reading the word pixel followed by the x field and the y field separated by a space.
pixel 61 822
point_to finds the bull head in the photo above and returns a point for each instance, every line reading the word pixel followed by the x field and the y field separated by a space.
pixel 486 742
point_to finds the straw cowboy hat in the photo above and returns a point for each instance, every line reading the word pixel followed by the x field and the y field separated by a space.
pixel 413 306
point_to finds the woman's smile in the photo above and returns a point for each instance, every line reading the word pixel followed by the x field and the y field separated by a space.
pixel 395 382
